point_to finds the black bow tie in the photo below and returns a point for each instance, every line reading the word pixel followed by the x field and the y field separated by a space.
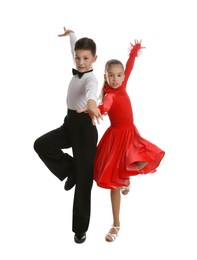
pixel 80 74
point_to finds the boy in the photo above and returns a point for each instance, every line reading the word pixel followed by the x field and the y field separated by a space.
pixel 78 132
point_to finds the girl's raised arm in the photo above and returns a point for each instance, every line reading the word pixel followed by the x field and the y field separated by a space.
pixel 134 52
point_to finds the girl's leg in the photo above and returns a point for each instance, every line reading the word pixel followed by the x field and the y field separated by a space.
pixel 140 165
pixel 115 202
pixel 125 189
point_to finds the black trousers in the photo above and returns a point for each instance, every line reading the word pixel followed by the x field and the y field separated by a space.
pixel 78 133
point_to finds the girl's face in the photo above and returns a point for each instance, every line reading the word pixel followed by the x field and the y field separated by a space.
pixel 114 75
pixel 84 60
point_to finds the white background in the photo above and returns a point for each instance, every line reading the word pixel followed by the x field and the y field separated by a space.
pixel 158 217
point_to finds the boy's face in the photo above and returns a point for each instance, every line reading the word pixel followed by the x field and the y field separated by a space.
pixel 84 60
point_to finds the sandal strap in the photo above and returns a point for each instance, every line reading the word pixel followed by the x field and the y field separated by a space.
pixel 116 228
pixel 123 188
pixel 111 235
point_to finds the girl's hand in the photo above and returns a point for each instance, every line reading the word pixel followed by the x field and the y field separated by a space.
pixel 137 47
pixel 95 115
pixel 138 44
pixel 66 32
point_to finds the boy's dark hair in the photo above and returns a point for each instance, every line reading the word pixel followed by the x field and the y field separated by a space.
pixel 86 44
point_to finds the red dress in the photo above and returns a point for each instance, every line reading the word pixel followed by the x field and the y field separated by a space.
pixel 121 145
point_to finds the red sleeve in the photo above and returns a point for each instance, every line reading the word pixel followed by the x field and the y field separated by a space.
pixel 130 62
pixel 107 102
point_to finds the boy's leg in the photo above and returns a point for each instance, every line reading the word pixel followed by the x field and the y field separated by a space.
pixel 84 141
pixel 49 148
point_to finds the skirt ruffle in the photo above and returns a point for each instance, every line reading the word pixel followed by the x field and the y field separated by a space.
pixel 118 151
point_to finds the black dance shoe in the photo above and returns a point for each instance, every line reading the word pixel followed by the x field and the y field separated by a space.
pixel 70 182
pixel 80 237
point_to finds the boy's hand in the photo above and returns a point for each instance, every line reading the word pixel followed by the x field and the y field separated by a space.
pixel 95 115
pixel 66 32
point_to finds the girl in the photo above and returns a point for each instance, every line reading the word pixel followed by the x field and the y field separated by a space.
pixel 121 152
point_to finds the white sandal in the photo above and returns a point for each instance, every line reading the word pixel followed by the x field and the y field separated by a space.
pixel 125 189
pixel 111 235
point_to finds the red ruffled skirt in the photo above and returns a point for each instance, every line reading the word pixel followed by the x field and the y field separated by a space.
pixel 118 151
